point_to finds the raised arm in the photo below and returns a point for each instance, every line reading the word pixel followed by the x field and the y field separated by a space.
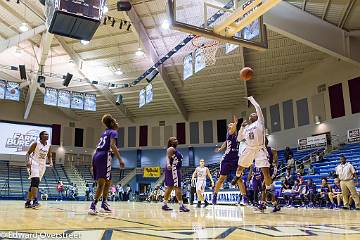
pixel 257 109
pixel 275 162
pixel 222 148
pixel 209 176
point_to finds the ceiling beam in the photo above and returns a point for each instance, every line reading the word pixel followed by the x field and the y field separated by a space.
pixel 325 9
pixel 15 40
pixel 294 23
pixel 150 49
pixel 45 45
pixel 106 93
pixel 346 13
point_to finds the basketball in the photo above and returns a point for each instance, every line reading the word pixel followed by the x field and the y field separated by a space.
pixel 246 73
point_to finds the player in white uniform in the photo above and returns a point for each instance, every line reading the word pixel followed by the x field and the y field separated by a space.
pixel 201 173
pixel 36 164
pixel 254 135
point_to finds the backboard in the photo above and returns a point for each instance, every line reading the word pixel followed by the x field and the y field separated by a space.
pixel 228 21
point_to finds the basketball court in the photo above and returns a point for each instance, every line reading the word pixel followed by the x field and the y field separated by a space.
pixel 183 69
pixel 145 221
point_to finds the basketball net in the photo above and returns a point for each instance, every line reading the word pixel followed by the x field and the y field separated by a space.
pixel 207 48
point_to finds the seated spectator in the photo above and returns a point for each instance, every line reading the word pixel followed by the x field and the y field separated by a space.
pixel 324 192
pixel 113 192
pixel 43 194
pixel 286 191
pixel 336 193
pixel 300 178
pixel 296 191
pixel 310 193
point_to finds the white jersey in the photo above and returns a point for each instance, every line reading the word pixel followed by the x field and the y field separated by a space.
pixel 38 160
pixel 201 173
pixel 254 134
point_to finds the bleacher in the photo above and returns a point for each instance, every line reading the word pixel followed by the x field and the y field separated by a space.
pixel 329 163
pixel 14 182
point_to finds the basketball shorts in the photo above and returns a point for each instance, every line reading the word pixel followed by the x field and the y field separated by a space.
pixel 102 165
pixel 260 155
pixel 37 169
pixel 200 186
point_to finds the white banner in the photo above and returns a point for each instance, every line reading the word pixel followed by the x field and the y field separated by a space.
pixel 353 135
pixel 312 142
pixel 17 138
pixel 224 197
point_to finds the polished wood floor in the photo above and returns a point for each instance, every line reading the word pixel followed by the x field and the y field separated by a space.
pixel 146 221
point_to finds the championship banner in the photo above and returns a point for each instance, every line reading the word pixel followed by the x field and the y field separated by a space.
pixel 152 172
pixel 17 138
pixel 353 135
pixel 312 142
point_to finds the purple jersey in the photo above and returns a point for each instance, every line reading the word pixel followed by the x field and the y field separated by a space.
pixel 232 148
pixel 325 189
pixel 104 143
pixel 173 176
pixel 176 160
pixel 336 188
pixel 257 173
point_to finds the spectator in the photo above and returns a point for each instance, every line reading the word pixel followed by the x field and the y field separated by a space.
pixel 286 190
pixel 300 178
pixel 289 177
pixel 291 163
pixel 120 191
pixel 295 191
pixel 60 190
pixel 128 191
pixel 113 193
pixel 324 192
pixel 311 170
pixel 300 169
pixel 43 194
pixel 287 153
pixel 87 192
pixel 310 193
pixel 346 173
pixel 336 192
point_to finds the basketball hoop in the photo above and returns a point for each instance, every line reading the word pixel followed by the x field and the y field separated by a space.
pixel 207 47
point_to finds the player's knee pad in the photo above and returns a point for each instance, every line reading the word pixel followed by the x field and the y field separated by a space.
pixel 35 181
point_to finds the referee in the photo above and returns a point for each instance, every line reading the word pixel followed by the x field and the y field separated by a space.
pixel 346 173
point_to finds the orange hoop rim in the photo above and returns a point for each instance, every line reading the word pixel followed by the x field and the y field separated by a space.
pixel 211 43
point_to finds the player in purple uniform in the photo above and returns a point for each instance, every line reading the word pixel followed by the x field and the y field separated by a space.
pixel 102 159
pixel 173 175
pixel 229 161
pixel 256 176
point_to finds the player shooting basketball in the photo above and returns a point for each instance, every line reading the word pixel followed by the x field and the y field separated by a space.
pixel 254 135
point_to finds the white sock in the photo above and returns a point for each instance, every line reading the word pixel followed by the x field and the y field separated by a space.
pixel 238 174
pixel 181 203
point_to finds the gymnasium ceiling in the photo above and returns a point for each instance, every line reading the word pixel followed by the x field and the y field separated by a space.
pixel 113 48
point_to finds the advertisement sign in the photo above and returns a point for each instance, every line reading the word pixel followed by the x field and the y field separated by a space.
pixel 17 138
pixel 224 197
pixel 312 142
pixel 353 135
pixel 152 172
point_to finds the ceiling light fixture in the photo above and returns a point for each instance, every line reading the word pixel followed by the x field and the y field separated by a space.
pixel 24 27
pixel 165 24
pixel 84 42
pixel 105 9
pixel 139 52
pixel 118 72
